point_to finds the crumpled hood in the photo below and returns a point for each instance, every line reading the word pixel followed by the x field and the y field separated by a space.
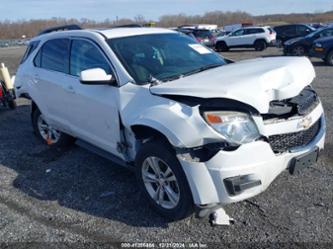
pixel 255 82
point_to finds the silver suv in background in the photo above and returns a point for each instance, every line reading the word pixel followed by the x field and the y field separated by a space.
pixel 258 38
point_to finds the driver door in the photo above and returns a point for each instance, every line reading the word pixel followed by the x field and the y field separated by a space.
pixel 236 38
pixel 93 108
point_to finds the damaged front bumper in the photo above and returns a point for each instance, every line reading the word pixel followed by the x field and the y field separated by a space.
pixel 232 176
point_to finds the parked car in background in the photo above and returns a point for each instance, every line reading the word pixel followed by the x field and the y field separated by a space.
pixel 187 32
pixel 249 37
pixel 290 31
pixel 301 45
pixel 222 33
pixel 204 36
pixel 317 25
pixel 323 48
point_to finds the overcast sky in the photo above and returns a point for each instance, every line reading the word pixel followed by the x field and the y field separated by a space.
pixel 150 9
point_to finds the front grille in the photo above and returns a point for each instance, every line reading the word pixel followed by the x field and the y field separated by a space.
pixel 284 142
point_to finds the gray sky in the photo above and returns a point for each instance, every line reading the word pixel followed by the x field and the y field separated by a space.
pixel 150 9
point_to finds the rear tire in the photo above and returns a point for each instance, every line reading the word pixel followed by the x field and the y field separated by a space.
pixel 47 134
pixel 329 58
pixel 222 47
pixel 260 45
pixel 163 181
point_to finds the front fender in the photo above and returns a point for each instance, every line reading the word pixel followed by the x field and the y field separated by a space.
pixel 181 124
pixel 174 121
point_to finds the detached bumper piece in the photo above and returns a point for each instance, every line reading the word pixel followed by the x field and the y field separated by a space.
pixel 236 185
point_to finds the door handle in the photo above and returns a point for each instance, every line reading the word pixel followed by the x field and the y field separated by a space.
pixel 70 89
pixel 35 78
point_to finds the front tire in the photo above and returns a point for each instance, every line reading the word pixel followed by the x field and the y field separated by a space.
pixel 298 51
pixel 222 47
pixel 329 58
pixel 163 181
pixel 47 134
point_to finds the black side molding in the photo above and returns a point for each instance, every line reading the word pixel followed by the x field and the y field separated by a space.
pixel 105 154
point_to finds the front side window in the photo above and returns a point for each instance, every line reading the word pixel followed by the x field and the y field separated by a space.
pixel 238 32
pixel 54 55
pixel 85 55
pixel 163 56
pixel 327 33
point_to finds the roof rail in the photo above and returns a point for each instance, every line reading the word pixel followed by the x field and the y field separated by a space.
pixel 60 28
pixel 132 25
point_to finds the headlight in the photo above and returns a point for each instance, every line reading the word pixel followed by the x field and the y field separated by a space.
pixel 318 45
pixel 235 127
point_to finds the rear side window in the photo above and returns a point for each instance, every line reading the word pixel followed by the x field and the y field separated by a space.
pixel 85 55
pixel 270 30
pixel 54 55
pixel 32 46
pixel 253 31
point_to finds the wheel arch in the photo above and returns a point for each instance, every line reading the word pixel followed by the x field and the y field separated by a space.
pixel 34 107
pixel 260 39
pixel 148 129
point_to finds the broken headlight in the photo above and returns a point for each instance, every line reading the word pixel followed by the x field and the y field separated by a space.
pixel 235 127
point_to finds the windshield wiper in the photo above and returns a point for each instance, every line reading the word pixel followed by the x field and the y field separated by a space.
pixel 204 68
pixel 153 81
pixel 176 77
pixel 171 78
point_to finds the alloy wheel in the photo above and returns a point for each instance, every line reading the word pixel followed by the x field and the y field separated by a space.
pixel 299 51
pixel 160 182
pixel 48 133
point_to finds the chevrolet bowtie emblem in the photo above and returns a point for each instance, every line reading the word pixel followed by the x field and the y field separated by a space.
pixel 305 123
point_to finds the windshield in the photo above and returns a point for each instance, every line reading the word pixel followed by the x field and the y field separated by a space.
pixel 163 57
pixel 315 33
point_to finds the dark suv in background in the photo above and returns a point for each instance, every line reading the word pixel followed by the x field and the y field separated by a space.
pixel 301 45
pixel 289 31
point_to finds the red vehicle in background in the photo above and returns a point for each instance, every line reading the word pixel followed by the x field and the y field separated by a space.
pixel 7 97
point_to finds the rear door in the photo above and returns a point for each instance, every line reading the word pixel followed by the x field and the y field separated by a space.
pixel 253 34
pixel 93 109
pixel 288 32
pixel 49 80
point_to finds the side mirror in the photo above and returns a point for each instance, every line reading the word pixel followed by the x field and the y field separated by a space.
pixel 96 76
pixel 308 31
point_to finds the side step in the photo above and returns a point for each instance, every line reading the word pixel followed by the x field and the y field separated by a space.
pixel 105 154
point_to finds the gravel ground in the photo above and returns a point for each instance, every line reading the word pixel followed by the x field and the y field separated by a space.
pixel 49 195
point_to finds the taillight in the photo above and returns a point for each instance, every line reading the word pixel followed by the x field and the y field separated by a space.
pixel 1 92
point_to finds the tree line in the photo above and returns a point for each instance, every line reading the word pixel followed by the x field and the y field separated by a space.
pixel 29 28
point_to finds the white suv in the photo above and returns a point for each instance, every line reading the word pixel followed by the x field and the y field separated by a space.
pixel 249 37
pixel 199 130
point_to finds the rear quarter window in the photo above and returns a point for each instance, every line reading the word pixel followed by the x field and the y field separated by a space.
pixel 31 47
